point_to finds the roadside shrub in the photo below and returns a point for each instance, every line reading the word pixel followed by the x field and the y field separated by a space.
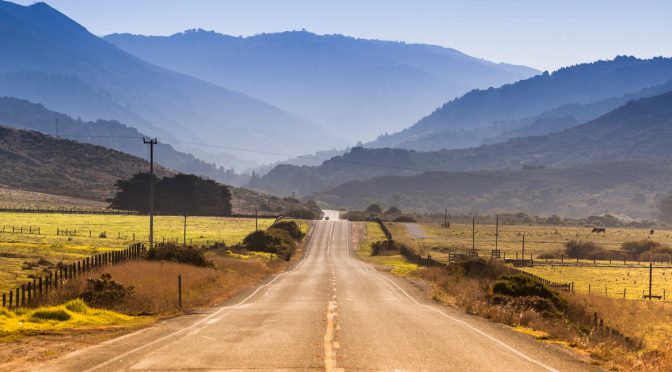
pixel 384 247
pixel 104 292
pixel 393 210
pixel 481 268
pixel 291 227
pixel 276 241
pixel 524 286
pixel 177 253
pixel 404 218
pixel 302 213
pixel 543 306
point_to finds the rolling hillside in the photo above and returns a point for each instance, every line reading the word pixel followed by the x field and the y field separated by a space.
pixel 358 88
pixel 640 129
pixel 39 169
pixel 480 114
pixel 47 58
pixel 22 114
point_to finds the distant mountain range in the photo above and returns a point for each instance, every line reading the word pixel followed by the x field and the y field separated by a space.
pixel 640 129
pixel 482 114
pixel 22 114
pixel 46 57
pixel 630 188
pixel 357 88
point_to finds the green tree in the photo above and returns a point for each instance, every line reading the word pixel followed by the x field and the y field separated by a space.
pixel 374 208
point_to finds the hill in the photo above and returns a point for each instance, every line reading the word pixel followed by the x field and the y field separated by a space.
pixel 359 88
pixel 46 57
pixel 630 189
pixel 22 114
pixel 480 114
pixel 42 170
pixel 640 129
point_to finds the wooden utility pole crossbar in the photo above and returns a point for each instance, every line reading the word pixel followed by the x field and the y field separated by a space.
pixel 151 142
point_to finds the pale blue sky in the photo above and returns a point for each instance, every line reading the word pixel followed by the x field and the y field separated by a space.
pixel 537 33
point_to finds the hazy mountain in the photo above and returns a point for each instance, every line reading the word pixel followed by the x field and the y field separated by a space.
pixel 480 114
pixel 359 88
pixel 631 189
pixel 22 114
pixel 640 129
pixel 572 114
pixel 48 58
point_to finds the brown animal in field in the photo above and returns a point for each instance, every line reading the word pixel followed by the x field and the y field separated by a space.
pixel 651 232
pixel 598 230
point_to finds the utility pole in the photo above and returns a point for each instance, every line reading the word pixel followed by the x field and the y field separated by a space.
pixel 445 218
pixel 497 233
pixel 396 202
pixel 256 219
pixel 184 238
pixel 523 254
pixel 151 142
pixel 473 234
pixel 57 136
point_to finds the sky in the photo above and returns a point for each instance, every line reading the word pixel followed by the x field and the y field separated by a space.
pixel 539 33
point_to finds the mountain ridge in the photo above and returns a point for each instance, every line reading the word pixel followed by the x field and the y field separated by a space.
pixel 360 87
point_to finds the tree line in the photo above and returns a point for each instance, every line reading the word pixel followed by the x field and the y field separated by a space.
pixel 181 194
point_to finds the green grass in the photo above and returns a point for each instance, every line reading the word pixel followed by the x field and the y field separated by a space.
pixel 397 263
pixel 635 281
pixel 71 315
pixel 16 250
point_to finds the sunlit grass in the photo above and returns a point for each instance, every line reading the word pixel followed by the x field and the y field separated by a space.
pixel 17 249
pixel 72 314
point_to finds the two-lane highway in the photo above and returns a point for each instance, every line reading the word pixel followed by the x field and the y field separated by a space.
pixel 330 312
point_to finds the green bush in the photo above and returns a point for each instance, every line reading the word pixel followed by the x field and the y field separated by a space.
pixel 276 241
pixel 177 253
pixel 524 286
pixel 384 247
pixel 50 314
pixel 291 227
pixel 104 292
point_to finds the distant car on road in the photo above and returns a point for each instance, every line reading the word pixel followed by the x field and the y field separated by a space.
pixel 326 218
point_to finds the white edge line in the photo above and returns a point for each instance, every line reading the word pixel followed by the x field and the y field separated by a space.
pixel 129 352
pixel 491 338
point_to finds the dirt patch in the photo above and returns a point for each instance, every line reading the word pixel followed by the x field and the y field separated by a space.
pixel 21 352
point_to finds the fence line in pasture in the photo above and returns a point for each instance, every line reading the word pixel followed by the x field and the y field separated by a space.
pixel 29 293
pixel 14 209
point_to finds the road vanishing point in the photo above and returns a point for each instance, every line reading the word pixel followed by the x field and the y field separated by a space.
pixel 331 311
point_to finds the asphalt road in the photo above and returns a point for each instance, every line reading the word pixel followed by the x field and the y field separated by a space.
pixel 330 312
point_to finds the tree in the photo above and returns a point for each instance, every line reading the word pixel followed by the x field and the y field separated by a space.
pixel 133 194
pixel 393 210
pixel 374 208
pixel 181 194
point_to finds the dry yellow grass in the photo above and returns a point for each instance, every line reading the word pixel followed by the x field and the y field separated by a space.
pixel 18 249
pixel 155 289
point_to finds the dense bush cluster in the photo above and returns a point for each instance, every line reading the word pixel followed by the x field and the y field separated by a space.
pixel 525 292
pixel 280 239
pixel 104 292
pixel 177 253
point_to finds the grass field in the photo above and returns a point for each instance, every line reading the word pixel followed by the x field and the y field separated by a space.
pixel 25 254
pixel 370 233
pixel 635 281
pixel 439 241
